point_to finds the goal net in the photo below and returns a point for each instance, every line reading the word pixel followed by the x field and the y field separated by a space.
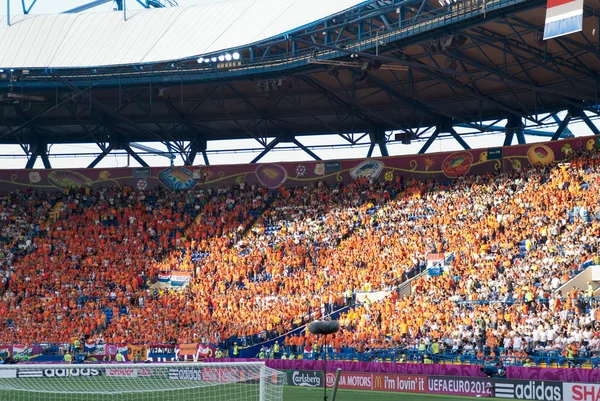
pixel 140 382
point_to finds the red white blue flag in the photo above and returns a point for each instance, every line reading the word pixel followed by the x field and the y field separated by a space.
pixel 164 277
pixel 563 17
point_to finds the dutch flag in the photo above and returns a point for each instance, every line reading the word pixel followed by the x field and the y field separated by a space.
pixel 164 277
pixel 563 17
pixel 90 346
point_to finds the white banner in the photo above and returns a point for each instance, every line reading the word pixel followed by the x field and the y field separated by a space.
pixel 374 296
pixel 581 392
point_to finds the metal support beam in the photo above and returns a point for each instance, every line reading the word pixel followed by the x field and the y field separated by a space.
pixel 137 158
pixel 371 148
pixel 27 10
pixel 102 155
pixel 38 149
pixel 458 138
pixel 169 155
pixel 589 123
pixel 514 125
pixel 429 142
pixel 205 156
pixel 102 106
pixel 562 126
pixel 378 138
pixel 87 6
pixel 197 145
pixel 305 149
pixel 267 149
pixel 44 156
pixel 521 137
pixel 31 161
pixel 567 130
pixel 189 160
pixel 508 138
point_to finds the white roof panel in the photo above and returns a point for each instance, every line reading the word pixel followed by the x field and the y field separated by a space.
pixel 155 35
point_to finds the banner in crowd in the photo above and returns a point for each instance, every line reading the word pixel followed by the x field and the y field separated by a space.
pixel 154 352
pixel 373 296
pixel 187 349
pixel 162 352
pixel 137 352
pixel 102 349
pixel 12 350
pixel 206 351
pixel 440 166
pixel 164 277
pixel 179 279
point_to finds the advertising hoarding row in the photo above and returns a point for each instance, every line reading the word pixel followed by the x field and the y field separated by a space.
pixel 534 390
pixel 463 386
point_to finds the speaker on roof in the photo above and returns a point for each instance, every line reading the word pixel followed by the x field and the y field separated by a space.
pixel 403 137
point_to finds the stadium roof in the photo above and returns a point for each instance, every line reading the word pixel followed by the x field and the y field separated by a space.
pixel 155 35
pixel 383 67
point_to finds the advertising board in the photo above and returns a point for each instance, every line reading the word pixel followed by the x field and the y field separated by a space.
pixel 399 383
pixel 529 390
pixel 581 392
pixel 466 386
pixel 352 380
pixel 305 378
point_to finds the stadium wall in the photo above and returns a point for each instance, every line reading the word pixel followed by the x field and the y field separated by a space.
pixel 440 166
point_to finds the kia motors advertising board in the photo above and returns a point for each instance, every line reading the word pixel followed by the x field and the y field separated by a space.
pixel 399 383
pixel 220 375
pixel 351 380
pixel 467 386
pixel 529 390
pixel 122 372
pixel 305 378
pixel 581 392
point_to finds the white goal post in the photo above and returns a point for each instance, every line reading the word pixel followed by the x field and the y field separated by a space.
pixel 251 381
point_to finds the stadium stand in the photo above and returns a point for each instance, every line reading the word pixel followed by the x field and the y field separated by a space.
pixel 266 262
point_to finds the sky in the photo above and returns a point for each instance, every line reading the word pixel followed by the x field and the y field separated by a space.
pixel 12 157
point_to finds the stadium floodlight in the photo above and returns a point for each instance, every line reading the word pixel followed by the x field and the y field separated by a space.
pixel 200 60
pixel 236 56
pixel 228 57
pixel 442 3
pixel 12 70
pixel 448 2
pixel 251 381
pixel 213 59
pixel 1 70
pixel 221 58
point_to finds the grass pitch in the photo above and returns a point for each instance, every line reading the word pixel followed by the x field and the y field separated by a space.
pixel 227 393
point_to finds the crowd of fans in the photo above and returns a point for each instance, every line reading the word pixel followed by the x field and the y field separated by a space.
pixel 265 262
pixel 517 238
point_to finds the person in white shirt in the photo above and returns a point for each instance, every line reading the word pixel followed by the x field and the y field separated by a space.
pixel 543 336
pixel 517 343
